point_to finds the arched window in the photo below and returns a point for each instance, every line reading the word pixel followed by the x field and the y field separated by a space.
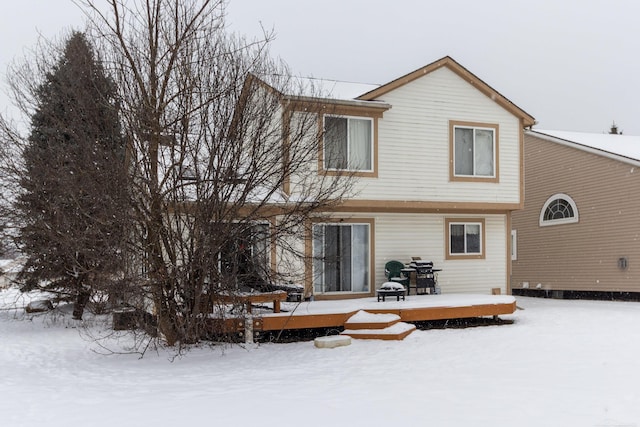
pixel 558 209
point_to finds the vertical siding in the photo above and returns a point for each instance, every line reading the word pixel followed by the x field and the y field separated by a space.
pixel 583 255
pixel 399 237
pixel 413 152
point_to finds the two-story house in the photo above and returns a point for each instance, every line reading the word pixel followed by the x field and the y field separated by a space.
pixel 439 158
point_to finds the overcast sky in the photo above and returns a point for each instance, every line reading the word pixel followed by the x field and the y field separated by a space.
pixel 572 64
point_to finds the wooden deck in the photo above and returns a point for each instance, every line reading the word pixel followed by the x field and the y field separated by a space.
pixel 416 308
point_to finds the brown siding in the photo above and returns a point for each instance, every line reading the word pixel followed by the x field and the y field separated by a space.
pixel 583 255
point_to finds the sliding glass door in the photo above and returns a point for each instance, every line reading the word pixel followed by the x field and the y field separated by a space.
pixel 341 258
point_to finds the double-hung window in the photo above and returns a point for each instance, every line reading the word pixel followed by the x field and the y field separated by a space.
pixel 348 143
pixel 474 148
pixel 341 254
pixel 465 238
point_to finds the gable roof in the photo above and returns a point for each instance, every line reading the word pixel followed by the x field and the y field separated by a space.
pixel 618 147
pixel 461 71
pixel 365 94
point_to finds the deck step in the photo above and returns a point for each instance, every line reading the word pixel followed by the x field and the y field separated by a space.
pixel 365 320
pixel 377 326
pixel 398 331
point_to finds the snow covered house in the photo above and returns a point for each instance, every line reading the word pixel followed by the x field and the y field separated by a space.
pixel 438 154
pixel 579 229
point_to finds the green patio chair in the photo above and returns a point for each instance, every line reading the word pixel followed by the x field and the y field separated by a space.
pixel 393 273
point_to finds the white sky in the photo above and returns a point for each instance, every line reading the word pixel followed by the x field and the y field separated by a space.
pixel 572 64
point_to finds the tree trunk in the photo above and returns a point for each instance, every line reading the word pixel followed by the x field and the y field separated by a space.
pixel 82 298
pixel 166 322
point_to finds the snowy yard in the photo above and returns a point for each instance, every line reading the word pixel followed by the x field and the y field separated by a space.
pixel 562 363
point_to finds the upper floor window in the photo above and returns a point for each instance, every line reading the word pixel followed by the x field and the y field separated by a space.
pixel 348 143
pixel 558 209
pixel 474 151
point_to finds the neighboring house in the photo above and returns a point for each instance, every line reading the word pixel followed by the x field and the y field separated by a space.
pixel 438 154
pixel 579 229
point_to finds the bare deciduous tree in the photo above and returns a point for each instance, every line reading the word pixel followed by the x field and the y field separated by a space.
pixel 223 152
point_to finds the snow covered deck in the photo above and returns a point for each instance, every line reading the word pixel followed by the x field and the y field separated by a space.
pixel 416 308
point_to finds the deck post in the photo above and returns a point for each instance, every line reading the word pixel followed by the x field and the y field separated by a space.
pixel 248 329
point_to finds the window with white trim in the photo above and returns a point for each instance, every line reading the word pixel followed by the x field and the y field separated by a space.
pixel 348 143
pixel 558 209
pixel 474 151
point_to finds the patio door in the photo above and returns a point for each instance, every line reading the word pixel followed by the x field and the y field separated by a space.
pixel 341 258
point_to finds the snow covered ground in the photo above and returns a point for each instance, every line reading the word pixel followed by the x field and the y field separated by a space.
pixel 561 363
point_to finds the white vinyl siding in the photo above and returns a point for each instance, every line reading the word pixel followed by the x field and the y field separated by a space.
pixel 413 144
pixel 401 236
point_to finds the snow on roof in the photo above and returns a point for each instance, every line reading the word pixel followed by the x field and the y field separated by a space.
pixel 332 89
pixel 620 145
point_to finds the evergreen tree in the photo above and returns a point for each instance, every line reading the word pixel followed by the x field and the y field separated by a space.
pixel 74 194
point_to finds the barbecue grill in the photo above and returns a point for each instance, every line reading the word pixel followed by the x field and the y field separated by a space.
pixel 426 277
